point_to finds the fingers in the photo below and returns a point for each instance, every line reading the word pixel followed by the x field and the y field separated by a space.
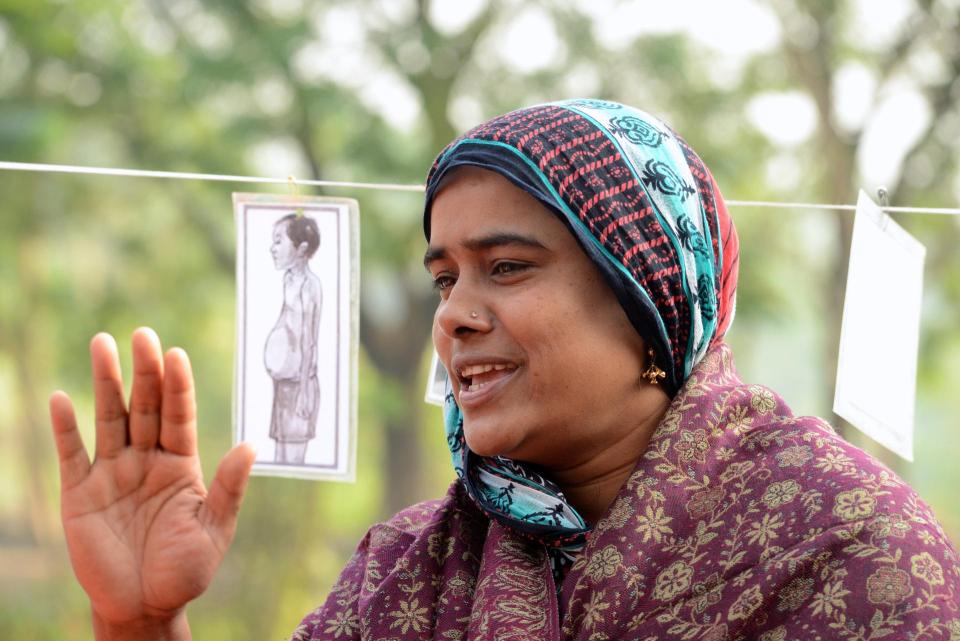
pixel 147 390
pixel 111 411
pixel 74 461
pixel 178 420
pixel 226 491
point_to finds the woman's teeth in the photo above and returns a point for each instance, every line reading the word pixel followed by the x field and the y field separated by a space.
pixel 476 377
pixel 471 370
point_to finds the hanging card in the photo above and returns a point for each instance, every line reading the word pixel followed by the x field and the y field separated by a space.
pixel 295 381
pixel 437 382
pixel 877 364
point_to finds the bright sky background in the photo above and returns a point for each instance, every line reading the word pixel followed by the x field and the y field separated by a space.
pixel 525 41
pixel 894 114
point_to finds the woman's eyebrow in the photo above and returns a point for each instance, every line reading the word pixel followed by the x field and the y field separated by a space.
pixel 490 241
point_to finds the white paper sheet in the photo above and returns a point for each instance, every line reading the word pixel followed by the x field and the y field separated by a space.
pixel 877 364
pixel 436 383
pixel 296 355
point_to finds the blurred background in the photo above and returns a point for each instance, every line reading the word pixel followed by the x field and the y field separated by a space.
pixel 784 100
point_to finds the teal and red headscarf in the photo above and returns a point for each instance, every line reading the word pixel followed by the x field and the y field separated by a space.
pixel 648 213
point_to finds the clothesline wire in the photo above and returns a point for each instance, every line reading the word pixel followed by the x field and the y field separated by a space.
pixel 181 175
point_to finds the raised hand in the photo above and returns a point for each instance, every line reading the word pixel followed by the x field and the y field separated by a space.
pixel 145 535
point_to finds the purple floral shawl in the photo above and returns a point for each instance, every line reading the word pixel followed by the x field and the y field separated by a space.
pixel 741 521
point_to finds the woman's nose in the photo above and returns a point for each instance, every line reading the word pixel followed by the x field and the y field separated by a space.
pixel 463 312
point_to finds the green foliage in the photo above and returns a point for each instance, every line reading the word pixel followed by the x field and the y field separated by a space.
pixel 192 86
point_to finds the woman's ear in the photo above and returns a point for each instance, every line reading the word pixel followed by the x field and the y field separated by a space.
pixel 302 249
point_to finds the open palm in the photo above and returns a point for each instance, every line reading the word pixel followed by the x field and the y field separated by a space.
pixel 145 535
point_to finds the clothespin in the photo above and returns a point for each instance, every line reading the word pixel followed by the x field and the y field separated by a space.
pixel 883 196
pixel 295 192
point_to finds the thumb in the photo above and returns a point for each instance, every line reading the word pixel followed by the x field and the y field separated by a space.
pixel 226 491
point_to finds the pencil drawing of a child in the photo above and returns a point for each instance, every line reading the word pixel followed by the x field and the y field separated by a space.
pixel 290 354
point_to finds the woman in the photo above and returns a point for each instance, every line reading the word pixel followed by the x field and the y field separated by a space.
pixel 616 480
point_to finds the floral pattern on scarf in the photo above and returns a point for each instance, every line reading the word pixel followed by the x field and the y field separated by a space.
pixel 740 521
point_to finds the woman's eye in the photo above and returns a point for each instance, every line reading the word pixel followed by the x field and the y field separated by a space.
pixel 443 281
pixel 507 268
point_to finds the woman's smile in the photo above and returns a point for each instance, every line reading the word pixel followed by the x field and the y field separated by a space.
pixel 480 379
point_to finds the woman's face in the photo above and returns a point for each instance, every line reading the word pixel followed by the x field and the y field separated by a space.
pixel 543 360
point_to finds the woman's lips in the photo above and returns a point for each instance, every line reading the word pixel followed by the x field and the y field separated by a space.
pixel 483 385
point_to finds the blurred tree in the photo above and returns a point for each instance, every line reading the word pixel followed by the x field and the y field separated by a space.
pixel 821 37
pixel 371 90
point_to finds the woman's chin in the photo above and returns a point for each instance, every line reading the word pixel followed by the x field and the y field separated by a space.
pixel 487 442
pixel 484 448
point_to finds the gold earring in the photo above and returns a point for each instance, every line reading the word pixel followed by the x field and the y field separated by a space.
pixel 653 374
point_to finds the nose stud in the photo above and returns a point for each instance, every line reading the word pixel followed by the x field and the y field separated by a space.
pixel 474 315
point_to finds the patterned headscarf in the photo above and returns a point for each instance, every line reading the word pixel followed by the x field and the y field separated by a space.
pixel 648 213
